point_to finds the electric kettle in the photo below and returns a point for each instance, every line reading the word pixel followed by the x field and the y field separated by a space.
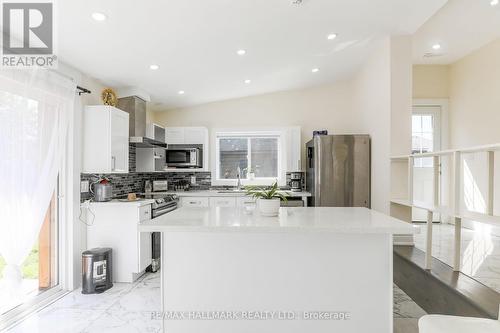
pixel 102 190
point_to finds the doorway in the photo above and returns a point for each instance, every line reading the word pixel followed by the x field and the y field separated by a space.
pixel 426 137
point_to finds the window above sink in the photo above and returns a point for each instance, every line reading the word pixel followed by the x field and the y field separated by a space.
pixel 261 155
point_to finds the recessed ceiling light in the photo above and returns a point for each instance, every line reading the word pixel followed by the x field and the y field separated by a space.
pixel 331 36
pixel 181 92
pixel 315 70
pixel 99 16
pixel 241 52
pixel 248 81
pixel 494 2
pixel 154 67
pixel 436 47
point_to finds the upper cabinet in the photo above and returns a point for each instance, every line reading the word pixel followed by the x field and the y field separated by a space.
pixel 194 136
pixel 294 149
pixel 186 135
pixel 174 135
pixel 105 140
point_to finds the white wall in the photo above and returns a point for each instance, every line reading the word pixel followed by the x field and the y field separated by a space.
pixel 475 118
pixel 383 97
pixel 475 98
pixel 373 102
pixel 431 82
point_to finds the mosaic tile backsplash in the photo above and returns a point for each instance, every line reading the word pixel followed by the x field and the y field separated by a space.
pixel 134 182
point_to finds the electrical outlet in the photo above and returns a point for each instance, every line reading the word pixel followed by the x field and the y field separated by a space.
pixel 193 180
pixel 84 186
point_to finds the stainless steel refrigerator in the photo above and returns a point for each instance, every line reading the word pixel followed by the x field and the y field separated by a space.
pixel 338 170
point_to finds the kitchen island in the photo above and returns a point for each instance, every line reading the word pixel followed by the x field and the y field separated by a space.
pixel 311 269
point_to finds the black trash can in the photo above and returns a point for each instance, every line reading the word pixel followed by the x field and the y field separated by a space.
pixel 97 268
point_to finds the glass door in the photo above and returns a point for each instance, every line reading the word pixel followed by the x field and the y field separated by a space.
pixel 425 138
pixel 39 270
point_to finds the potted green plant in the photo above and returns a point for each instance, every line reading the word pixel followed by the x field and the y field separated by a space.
pixel 268 198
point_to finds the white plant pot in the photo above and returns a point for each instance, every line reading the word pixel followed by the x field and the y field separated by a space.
pixel 269 207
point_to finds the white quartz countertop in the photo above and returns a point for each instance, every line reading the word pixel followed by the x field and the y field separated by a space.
pixel 228 193
pixel 299 219
pixel 116 202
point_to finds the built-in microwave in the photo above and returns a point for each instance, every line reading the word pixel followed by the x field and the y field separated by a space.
pixel 184 158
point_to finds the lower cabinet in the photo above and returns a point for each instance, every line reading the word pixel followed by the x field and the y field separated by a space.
pixel 245 201
pixel 194 202
pixel 114 225
pixel 222 202
pixel 226 201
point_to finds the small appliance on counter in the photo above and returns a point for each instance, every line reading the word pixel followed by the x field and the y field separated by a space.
pixel 296 182
pixel 102 190
pixel 97 270
pixel 158 186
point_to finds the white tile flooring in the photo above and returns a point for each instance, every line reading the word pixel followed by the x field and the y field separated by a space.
pixel 124 308
pixel 128 308
pixel 480 253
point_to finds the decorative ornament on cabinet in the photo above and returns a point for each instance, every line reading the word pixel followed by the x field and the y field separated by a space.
pixel 108 97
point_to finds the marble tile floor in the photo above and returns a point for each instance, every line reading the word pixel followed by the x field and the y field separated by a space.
pixel 127 308
pixel 480 251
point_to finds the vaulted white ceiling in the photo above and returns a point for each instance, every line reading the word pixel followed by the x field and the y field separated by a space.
pixel 460 27
pixel 195 42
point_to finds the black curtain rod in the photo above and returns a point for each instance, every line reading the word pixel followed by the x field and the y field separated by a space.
pixel 82 90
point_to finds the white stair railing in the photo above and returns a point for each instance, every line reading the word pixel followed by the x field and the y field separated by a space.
pixel 456 211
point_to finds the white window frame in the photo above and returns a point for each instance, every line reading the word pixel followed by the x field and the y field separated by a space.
pixel 280 133
pixel 436 129
pixel 441 141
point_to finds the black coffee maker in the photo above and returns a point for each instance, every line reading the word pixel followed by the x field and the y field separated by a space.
pixel 296 181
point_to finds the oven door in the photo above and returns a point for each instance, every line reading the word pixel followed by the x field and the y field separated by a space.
pixel 164 210
pixel 183 158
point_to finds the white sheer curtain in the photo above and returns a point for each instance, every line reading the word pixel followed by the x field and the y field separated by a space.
pixel 35 106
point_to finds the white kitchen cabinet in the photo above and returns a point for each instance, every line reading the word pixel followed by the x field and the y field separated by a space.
pixel 174 135
pixel 194 202
pixel 195 135
pixel 115 225
pixel 294 149
pixel 145 254
pixel 245 201
pixel 105 140
pixel 222 202
pixel 186 135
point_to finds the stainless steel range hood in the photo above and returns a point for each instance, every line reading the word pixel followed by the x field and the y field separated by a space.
pixel 136 108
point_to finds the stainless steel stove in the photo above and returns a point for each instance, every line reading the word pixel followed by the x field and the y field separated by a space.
pixel 163 204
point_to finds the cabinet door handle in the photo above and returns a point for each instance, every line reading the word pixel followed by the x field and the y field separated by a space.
pixel 113 160
pixel 195 202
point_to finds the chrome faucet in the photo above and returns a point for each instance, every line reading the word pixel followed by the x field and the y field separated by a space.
pixel 238 175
